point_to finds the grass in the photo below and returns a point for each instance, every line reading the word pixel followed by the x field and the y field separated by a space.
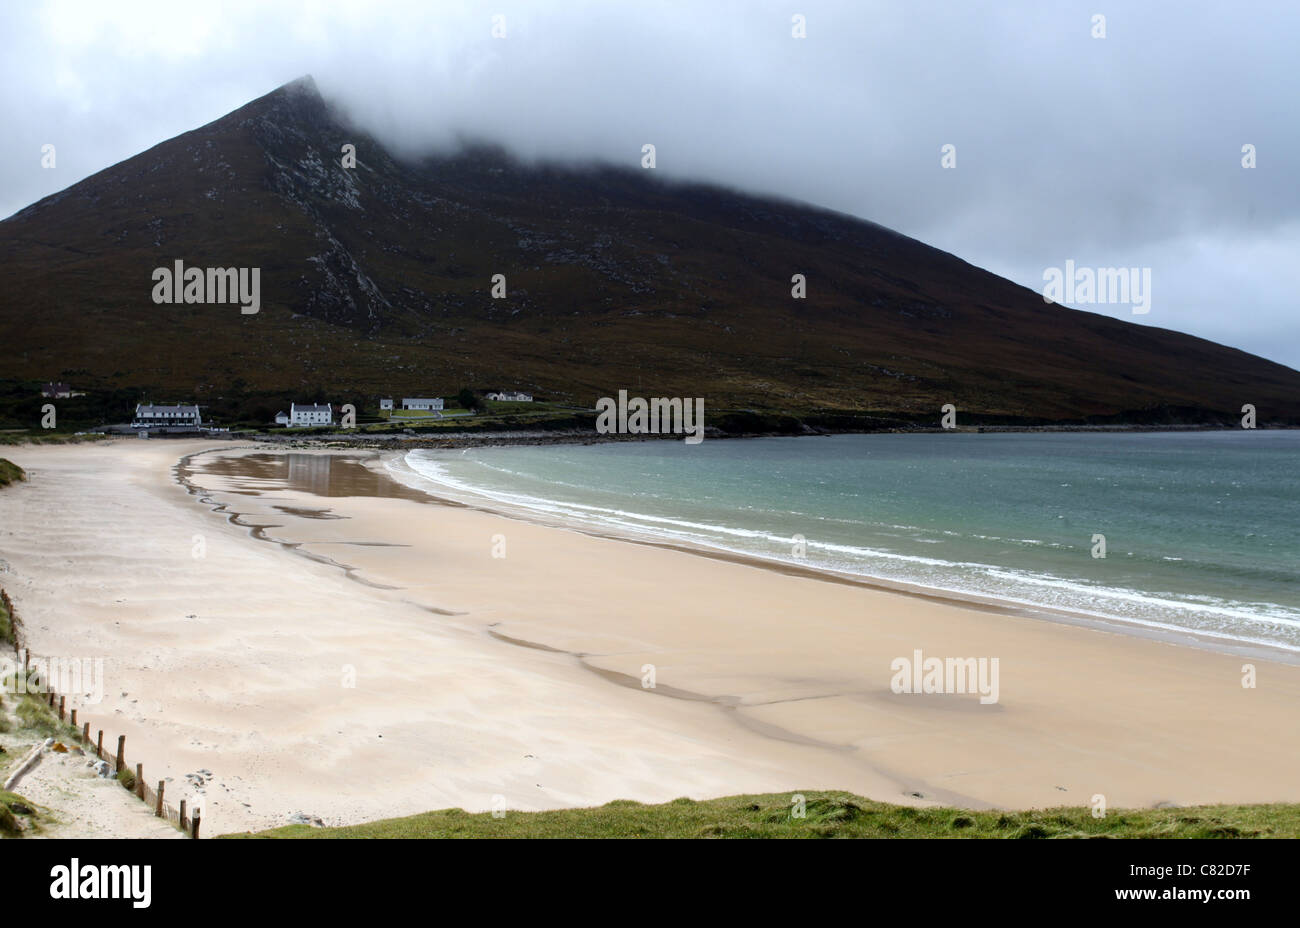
pixel 43 437
pixel 828 815
pixel 18 816
pixel 10 473
pixel 35 714
pixel 6 626
pixel 14 811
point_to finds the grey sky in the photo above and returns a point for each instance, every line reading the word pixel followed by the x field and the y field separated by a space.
pixel 1115 151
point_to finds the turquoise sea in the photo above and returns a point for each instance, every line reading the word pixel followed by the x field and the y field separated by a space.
pixel 1202 530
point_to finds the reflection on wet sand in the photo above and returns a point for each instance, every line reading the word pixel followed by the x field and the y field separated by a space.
pixel 319 474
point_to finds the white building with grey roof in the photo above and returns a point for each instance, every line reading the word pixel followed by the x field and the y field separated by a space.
pixel 310 414
pixel 422 402
pixel 151 416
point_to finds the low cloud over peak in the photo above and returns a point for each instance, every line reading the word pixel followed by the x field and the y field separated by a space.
pixel 1117 151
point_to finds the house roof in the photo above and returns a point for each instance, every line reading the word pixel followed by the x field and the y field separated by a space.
pixel 310 407
pixel 143 410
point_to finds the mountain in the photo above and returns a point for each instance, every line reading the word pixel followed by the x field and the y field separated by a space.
pixel 376 281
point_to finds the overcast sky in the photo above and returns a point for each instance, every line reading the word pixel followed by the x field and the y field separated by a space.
pixel 1117 151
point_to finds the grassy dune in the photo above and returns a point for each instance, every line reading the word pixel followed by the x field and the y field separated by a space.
pixel 828 815
pixel 18 816
pixel 6 626
pixel 24 719
pixel 44 437
pixel 10 473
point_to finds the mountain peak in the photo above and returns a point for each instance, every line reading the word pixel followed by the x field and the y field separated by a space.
pixel 299 92
pixel 302 85
pixel 297 103
pixel 375 273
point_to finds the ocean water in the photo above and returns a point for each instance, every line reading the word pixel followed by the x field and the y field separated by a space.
pixel 1202 530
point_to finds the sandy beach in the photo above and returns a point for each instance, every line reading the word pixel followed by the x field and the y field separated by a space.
pixel 327 641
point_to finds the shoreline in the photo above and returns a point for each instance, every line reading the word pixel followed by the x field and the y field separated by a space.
pixel 374 462
pixel 1002 605
pixel 502 438
pixel 488 437
pixel 523 677
pixel 630 681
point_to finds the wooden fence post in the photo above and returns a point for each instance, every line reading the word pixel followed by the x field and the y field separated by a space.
pixel 99 746
pixel 74 718
pixel 183 823
pixel 85 735
pixel 194 824
pixel 121 753
pixel 62 700
pixel 161 785
pixel 139 780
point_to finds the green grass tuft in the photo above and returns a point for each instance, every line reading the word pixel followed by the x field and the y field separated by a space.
pixel 10 473
pixel 15 812
pixel 35 714
pixel 6 626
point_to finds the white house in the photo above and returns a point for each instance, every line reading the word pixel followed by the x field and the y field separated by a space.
pixel 508 396
pixel 422 403
pixel 386 403
pixel 147 416
pixel 310 414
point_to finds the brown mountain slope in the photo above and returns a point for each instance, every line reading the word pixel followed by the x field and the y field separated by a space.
pixel 376 280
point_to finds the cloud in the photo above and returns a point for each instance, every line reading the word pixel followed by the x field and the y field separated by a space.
pixel 1120 151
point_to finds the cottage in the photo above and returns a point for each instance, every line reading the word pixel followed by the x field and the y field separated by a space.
pixel 150 416
pixel 56 390
pixel 386 403
pixel 310 414
pixel 511 396
pixel 422 403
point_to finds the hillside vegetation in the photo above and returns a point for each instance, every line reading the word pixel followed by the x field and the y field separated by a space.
pixel 375 281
